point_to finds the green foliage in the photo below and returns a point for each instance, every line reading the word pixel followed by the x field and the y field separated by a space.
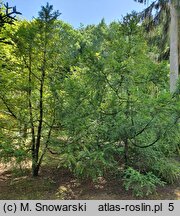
pixel 117 94
pixel 94 96
pixel 7 16
pixel 168 170
pixel 90 162
pixel 141 184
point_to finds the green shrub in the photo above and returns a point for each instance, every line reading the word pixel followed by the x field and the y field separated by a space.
pixel 141 184
pixel 168 170
pixel 91 162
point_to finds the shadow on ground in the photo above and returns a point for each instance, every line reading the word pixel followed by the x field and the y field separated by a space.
pixel 54 183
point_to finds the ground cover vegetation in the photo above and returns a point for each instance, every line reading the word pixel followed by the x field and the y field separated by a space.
pixel 93 100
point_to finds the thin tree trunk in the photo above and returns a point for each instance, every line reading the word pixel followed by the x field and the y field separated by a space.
pixel 174 64
pixel 41 113
pixel 33 139
pixel 126 152
pixel 39 132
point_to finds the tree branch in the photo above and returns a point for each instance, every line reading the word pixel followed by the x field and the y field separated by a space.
pixel 8 108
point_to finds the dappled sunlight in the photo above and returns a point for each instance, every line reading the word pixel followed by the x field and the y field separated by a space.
pixel 54 183
pixel 177 193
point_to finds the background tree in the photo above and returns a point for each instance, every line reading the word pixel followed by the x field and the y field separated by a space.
pixel 7 16
pixel 167 14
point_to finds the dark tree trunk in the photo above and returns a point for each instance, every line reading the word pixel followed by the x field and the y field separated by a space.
pixel 35 169
pixel 126 152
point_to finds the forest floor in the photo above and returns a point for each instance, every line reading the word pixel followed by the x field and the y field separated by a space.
pixel 54 183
